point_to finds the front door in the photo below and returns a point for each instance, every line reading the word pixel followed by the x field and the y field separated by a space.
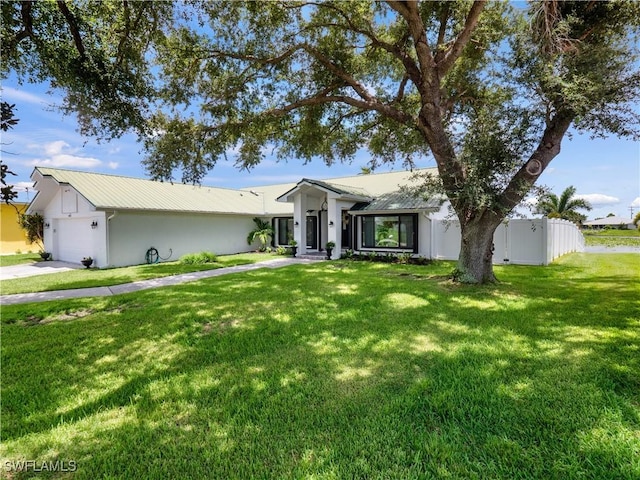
pixel 347 221
pixel 312 233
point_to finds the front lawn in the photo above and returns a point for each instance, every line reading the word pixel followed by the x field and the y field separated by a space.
pixel 93 277
pixel 18 259
pixel 335 370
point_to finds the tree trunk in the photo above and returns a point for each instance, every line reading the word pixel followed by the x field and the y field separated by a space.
pixel 475 263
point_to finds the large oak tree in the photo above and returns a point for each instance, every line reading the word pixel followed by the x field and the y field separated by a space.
pixel 488 89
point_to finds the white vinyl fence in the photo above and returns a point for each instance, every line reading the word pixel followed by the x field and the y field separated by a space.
pixel 521 242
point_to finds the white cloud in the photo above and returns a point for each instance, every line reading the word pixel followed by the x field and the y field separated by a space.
pixel 13 95
pixel 60 154
pixel 23 186
pixel 55 148
pixel 636 202
pixel 113 165
pixel 598 199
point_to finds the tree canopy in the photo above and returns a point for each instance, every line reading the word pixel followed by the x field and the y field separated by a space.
pixel 565 206
pixel 487 89
pixel 8 193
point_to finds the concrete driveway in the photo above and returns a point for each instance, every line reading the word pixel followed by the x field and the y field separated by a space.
pixel 37 268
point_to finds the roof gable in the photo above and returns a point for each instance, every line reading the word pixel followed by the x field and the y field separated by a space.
pixel 343 191
pixel 398 200
pixel 111 192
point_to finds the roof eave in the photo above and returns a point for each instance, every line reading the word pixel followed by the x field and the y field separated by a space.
pixel 393 210
pixel 287 197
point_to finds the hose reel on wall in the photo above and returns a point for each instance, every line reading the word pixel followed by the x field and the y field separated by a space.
pixel 152 255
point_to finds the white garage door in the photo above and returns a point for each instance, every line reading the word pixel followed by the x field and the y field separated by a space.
pixel 74 239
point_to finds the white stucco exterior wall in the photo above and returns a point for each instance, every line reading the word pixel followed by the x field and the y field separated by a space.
pixel 131 234
pixel 70 235
pixel 300 222
pixel 424 236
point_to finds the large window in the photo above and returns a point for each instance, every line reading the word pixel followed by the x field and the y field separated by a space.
pixel 284 231
pixel 389 231
pixel 284 228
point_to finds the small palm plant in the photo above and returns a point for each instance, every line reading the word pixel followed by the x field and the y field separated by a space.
pixel 262 232
pixel 564 207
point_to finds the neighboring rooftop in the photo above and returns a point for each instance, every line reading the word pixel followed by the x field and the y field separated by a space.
pixel 612 221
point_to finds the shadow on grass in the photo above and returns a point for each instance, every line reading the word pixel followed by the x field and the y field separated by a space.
pixel 335 370
pixel 86 278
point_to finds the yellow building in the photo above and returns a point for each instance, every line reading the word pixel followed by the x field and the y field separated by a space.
pixel 12 237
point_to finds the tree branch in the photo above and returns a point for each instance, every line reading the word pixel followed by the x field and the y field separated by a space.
pixel 253 58
pixel 442 32
pixel 401 87
pixel 27 30
pixel 547 150
pixel 319 99
pixel 340 73
pixel 463 38
pixel 409 11
pixel 73 27
pixel 408 63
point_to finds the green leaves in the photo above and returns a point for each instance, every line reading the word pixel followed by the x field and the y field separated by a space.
pixel 262 232
pixel 488 89
pixel 565 206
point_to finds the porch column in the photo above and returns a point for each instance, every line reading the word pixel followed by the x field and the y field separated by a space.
pixel 334 231
pixel 300 221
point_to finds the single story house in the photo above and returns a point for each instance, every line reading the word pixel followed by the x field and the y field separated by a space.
pixel 611 222
pixel 116 220
pixel 121 221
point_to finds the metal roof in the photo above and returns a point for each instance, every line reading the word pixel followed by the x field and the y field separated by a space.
pixel 613 221
pixel 337 188
pixel 108 192
pixel 353 193
pixel 398 200
pixel 113 192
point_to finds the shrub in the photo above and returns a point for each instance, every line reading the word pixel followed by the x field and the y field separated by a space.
pixel 282 250
pixel 403 258
pixel 198 258
pixel 347 255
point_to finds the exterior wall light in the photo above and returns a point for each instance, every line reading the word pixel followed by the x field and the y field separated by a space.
pixel 331 223
pixel 94 224
pixel 47 225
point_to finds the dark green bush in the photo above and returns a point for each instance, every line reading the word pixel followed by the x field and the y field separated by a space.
pixel 198 258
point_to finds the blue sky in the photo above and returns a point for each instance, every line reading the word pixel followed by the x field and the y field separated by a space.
pixel 605 172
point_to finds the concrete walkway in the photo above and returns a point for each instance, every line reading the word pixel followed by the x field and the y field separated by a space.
pixel 36 268
pixel 146 284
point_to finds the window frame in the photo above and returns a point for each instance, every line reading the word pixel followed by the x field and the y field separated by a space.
pixel 277 221
pixel 398 218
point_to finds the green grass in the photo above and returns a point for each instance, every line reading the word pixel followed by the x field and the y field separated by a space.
pixel 592 241
pixel 335 370
pixel 612 238
pixel 18 259
pixel 611 233
pixel 85 278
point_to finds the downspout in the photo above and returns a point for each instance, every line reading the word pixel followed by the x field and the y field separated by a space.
pixel 109 236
